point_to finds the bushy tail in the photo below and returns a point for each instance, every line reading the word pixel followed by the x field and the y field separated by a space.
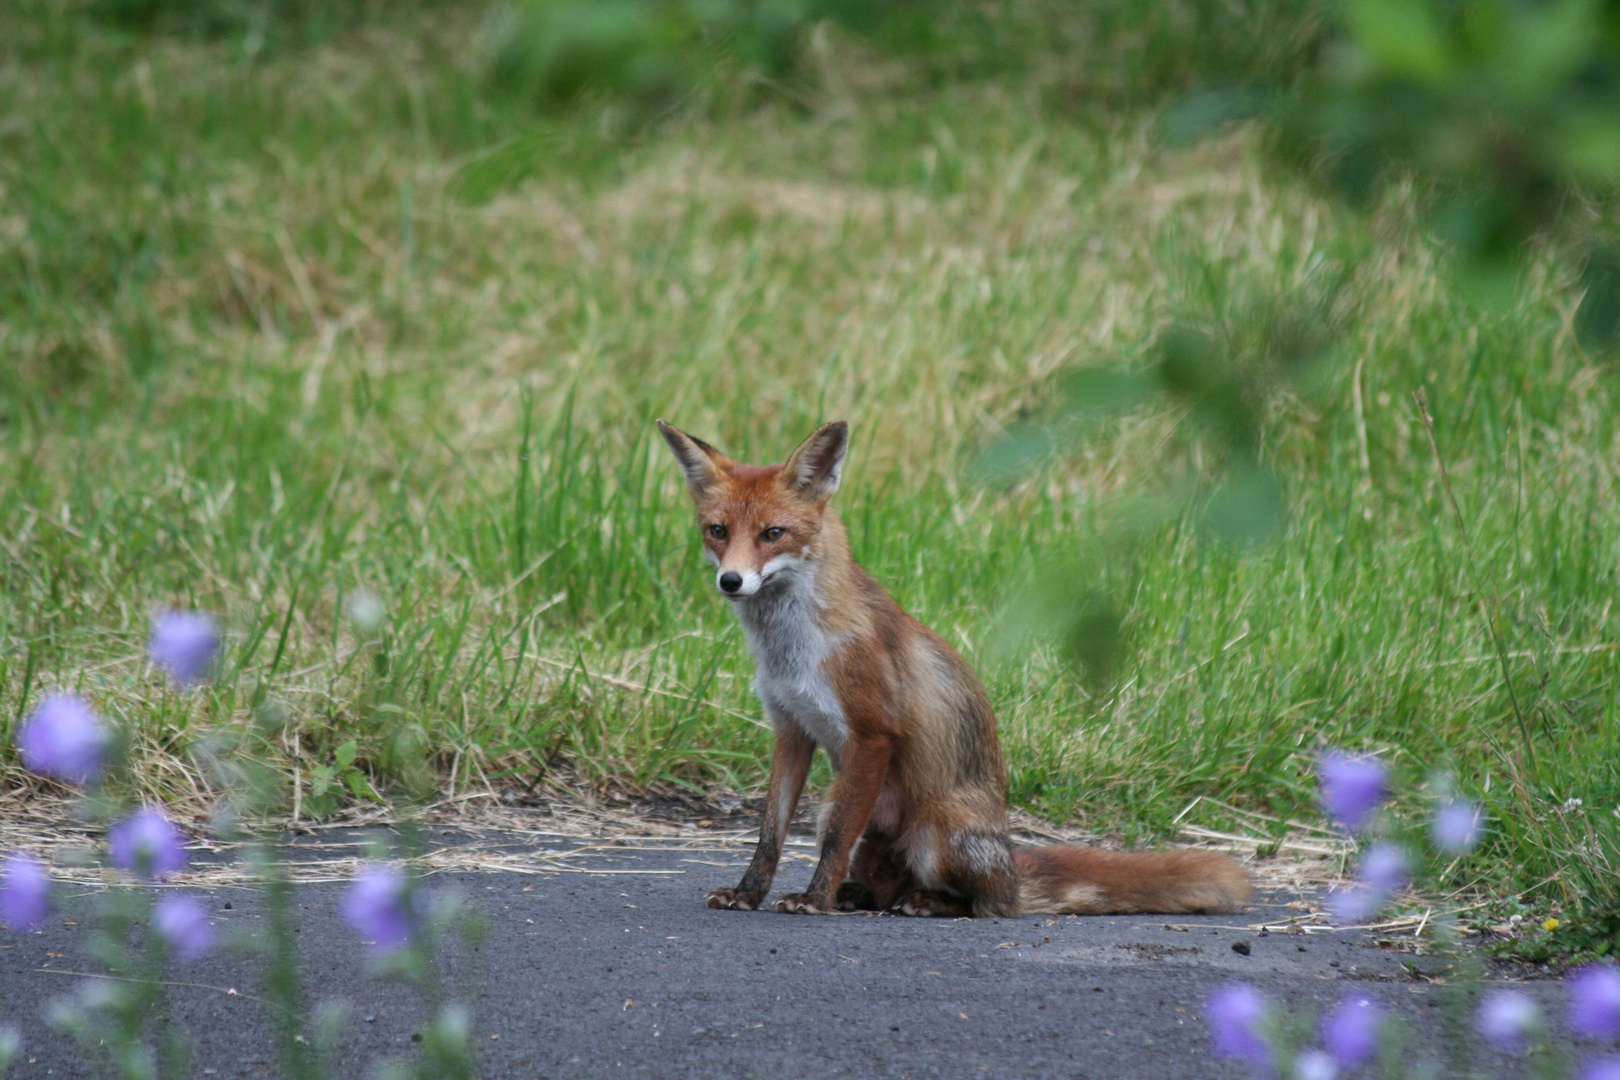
pixel 1065 880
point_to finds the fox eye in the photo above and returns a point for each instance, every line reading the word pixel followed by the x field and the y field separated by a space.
pixel 773 533
pixel 717 531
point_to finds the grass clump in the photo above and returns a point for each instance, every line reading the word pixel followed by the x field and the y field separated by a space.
pixel 341 321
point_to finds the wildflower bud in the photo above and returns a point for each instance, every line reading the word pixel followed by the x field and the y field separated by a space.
pixel 1594 1002
pixel 377 909
pixel 64 739
pixel 366 612
pixel 1236 1014
pixel 1315 1065
pixel 1455 828
pixel 1506 1018
pixel 148 844
pixel 1606 1068
pixel 1384 872
pixel 1350 1031
pixel 1353 788
pixel 186 643
pixel 183 924
pixel 25 891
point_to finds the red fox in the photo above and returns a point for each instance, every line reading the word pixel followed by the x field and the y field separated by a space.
pixel 916 820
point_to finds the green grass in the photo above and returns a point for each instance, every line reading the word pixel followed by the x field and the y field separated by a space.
pixel 276 328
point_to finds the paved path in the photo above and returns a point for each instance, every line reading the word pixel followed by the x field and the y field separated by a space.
pixel 608 973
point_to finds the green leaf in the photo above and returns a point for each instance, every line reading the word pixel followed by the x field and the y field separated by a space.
pixel 1403 36
pixel 1018 450
pixel 321 778
pixel 1550 42
pixel 1249 507
pixel 1097 390
pixel 359 785
pixel 346 752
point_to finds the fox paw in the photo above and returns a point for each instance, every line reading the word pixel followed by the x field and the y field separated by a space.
pixel 853 896
pixel 733 900
pixel 800 904
pixel 929 905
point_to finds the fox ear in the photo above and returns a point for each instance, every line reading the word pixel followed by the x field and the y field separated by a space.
pixel 813 471
pixel 702 463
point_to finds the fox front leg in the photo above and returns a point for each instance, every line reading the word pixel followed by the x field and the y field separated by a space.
pixel 854 794
pixel 790 764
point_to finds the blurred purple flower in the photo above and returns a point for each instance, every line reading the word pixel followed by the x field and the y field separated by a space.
pixel 1506 1018
pixel 1350 1030
pixel 25 891
pixel 1236 1014
pixel 147 843
pixel 183 923
pixel 1315 1065
pixel 1455 828
pixel 1607 1068
pixel 376 907
pixel 63 738
pixel 1353 904
pixel 1353 788
pixel 1594 1002
pixel 1384 871
pixel 186 643
pixel 1384 868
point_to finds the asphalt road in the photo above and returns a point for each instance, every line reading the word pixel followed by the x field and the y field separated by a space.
pixel 607 964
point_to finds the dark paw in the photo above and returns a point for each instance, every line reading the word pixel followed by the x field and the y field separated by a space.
pixel 801 904
pixel 853 896
pixel 733 900
pixel 924 904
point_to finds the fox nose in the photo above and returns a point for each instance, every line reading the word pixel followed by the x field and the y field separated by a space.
pixel 731 581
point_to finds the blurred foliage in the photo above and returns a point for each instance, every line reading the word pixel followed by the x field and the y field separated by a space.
pixel 1221 365
pixel 653 51
pixel 657 51
pixel 1505 113
pixel 257 23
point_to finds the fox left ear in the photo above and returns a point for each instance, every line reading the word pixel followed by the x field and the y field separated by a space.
pixel 814 469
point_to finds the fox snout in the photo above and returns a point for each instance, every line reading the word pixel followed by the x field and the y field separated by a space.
pixel 738 585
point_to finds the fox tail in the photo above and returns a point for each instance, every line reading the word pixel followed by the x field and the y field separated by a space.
pixel 1066 880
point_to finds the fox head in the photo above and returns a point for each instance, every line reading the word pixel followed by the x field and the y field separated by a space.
pixel 760 523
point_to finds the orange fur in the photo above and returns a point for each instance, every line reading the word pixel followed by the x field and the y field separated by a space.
pixel 916 821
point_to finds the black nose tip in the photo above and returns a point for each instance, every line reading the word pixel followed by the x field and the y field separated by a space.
pixel 731 581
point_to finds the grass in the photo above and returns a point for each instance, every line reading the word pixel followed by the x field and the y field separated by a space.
pixel 275 328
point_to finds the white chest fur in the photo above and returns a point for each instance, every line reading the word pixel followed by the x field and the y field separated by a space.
pixel 789 648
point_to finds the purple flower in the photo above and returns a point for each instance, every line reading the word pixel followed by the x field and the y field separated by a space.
pixel 1236 1014
pixel 182 922
pixel 1352 787
pixel 64 739
pixel 147 843
pixel 376 907
pixel 1384 868
pixel 1607 1068
pixel 1315 1065
pixel 1455 828
pixel 1594 1002
pixel 1506 1018
pixel 25 891
pixel 1350 1031
pixel 1383 872
pixel 184 642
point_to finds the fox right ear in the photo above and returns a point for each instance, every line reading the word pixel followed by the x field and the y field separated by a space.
pixel 702 463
